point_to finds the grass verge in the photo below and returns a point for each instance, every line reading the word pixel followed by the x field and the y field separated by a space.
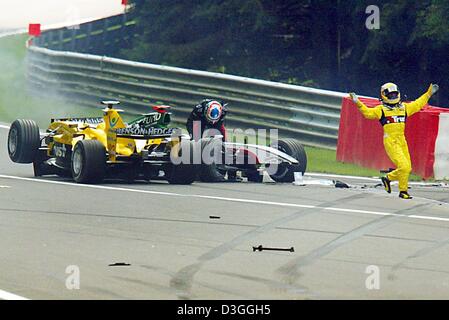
pixel 324 161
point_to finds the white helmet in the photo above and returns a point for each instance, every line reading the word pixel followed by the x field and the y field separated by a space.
pixel 390 94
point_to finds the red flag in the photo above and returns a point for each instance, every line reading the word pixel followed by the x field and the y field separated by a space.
pixel 34 29
pixel 125 2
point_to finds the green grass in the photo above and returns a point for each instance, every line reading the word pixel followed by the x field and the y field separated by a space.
pixel 17 102
pixel 325 161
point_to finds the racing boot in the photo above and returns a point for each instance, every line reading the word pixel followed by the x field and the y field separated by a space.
pixel 386 183
pixel 405 195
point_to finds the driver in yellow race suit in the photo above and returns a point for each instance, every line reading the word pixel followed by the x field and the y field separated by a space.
pixel 392 114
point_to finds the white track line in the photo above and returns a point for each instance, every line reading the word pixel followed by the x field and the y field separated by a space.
pixel 3 126
pixel 4 295
pixel 239 200
pixel 325 175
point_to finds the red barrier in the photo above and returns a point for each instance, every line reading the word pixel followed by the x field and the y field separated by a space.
pixel 34 29
pixel 360 140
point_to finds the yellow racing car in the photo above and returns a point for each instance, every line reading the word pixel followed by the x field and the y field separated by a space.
pixel 92 149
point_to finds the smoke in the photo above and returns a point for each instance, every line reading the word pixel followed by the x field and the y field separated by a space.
pixel 16 98
pixel 16 101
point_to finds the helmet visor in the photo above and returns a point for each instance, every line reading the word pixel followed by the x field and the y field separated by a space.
pixel 392 95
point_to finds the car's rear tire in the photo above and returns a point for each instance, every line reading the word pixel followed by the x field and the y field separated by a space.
pixel 88 161
pixel 23 141
pixel 211 172
pixel 182 173
pixel 285 172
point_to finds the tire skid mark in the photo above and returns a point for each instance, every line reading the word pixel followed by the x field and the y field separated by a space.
pixel 167 272
pixel 272 283
pixel 290 271
pixel 365 263
pixel 108 216
pixel 417 254
pixel 182 281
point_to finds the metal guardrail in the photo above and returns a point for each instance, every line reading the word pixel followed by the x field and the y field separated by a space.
pixel 309 115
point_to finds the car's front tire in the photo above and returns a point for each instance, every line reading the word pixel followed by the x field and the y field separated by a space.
pixel 285 172
pixel 88 161
pixel 254 176
pixel 23 141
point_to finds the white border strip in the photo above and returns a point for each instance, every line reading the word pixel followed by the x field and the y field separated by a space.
pixel 441 154
pixel 10 296
pixel 331 175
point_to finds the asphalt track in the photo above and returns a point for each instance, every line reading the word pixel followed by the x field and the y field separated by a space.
pixel 176 251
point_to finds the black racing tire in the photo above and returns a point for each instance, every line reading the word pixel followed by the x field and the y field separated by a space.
pixel 64 173
pixel 211 172
pixel 285 172
pixel 88 162
pixel 183 173
pixel 23 141
pixel 40 165
pixel 254 176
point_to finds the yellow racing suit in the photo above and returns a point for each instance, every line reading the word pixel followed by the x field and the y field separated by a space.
pixel 393 122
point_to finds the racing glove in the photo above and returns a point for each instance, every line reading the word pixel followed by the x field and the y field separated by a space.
pixel 354 97
pixel 433 88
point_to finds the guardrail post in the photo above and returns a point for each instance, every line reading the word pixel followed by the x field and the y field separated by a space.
pixel 88 36
pixel 60 45
pixel 123 29
pixel 73 41
pixel 105 33
pixel 48 40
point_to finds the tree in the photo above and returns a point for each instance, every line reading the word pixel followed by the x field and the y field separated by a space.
pixel 313 42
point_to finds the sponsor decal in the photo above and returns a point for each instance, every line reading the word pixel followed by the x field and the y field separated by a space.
pixel 81 120
pixel 60 150
pixel 395 119
pixel 139 131
pixel 113 122
pixel 150 119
